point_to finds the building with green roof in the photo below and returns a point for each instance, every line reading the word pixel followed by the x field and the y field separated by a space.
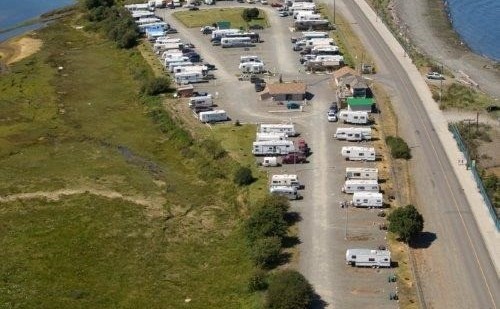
pixel 360 104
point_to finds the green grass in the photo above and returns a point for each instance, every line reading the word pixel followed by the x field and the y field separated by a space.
pixel 87 126
pixel 200 18
pixel 463 97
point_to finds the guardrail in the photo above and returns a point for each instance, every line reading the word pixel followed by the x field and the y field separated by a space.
pixel 463 148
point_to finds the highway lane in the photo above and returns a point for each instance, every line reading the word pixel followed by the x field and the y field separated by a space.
pixel 456 269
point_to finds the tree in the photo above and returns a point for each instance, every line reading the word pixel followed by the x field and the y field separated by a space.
pixel 265 222
pixel 288 289
pixel 406 222
pixel 253 13
pixel 91 4
pixel 266 251
pixel 399 148
pixel 258 281
pixel 243 176
pixel 246 15
pixel 156 86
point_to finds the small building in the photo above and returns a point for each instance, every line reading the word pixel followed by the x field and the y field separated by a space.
pixel 355 84
pixel 342 72
pixel 291 91
pixel 360 104
pixel 185 91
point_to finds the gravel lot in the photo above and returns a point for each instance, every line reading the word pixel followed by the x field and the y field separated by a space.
pixel 322 228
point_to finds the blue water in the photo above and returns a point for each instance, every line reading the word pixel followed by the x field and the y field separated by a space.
pixel 478 24
pixel 13 12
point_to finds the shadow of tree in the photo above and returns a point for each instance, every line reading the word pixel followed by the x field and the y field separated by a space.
pixel 423 240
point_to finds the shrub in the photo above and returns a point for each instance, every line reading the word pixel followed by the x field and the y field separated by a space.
pixel 406 222
pixel 258 281
pixel 92 4
pixel 265 222
pixel 156 86
pixel 275 201
pixel 213 148
pixel 249 14
pixel 288 289
pixel 265 252
pixel 399 148
pixel 243 176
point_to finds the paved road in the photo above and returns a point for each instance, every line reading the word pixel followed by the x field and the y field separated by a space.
pixel 457 267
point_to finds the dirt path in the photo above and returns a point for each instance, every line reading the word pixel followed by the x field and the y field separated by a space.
pixel 17 49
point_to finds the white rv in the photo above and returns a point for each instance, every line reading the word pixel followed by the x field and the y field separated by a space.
pixel 191 68
pixel 169 46
pixel 188 77
pixel 137 7
pixel 213 116
pixel 302 6
pixel 360 185
pixel 142 14
pixel 173 65
pixel 354 134
pixel 367 199
pixel 333 58
pixel 245 59
pixel 287 180
pixel 353 117
pixel 205 101
pixel 288 129
pixel 174 58
pixel 217 34
pixel 272 136
pixel 355 153
pixel 289 192
pixel 273 148
pixel 319 42
pixel 270 161
pixel 304 15
pixel 361 173
pixel 251 67
pixel 147 20
pixel 314 34
pixel 236 42
pixel 368 258
pixel 325 50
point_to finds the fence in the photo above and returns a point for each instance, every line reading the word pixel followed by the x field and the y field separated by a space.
pixel 463 147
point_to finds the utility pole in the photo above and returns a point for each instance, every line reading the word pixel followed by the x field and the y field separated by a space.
pixel 345 205
pixel 334 13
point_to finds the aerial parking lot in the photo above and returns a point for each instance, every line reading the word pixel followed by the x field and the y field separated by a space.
pixel 327 228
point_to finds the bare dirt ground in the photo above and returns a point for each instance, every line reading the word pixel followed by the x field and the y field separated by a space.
pixel 19 48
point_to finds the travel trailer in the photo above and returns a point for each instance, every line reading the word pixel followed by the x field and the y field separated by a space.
pixel 191 68
pixel 361 173
pixel 147 20
pixel 205 101
pixel 319 41
pixel 353 117
pixel 289 192
pixel 254 37
pixel 137 7
pixel 354 134
pixel 213 116
pixel 368 258
pixel 355 153
pixel 314 34
pixel 325 50
pixel 251 67
pixel 367 199
pixel 188 77
pixel 270 162
pixel 272 136
pixel 360 185
pixel 218 34
pixel 174 58
pixel 288 129
pixel 287 180
pixel 280 147
pixel 171 66
pixel 321 24
pixel 236 42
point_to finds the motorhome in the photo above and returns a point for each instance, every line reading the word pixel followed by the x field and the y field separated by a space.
pixel 368 258
pixel 252 67
pixel 355 153
pixel 147 20
pixel 319 42
pixel 213 116
pixel 171 66
pixel 288 129
pixel 255 37
pixel 205 101
pixel 270 136
pixel 288 192
pixel 279 147
pixel 188 77
pixel 138 14
pixel 314 34
pixel 167 61
pixel 191 68
pixel 137 7
pixel 219 33
pixel 287 180
pixel 245 59
pixel 270 162
pixel 361 173
pixel 236 42
pixel 325 50
pixel 360 185
pixel 355 117
pixel 353 134
pixel 367 199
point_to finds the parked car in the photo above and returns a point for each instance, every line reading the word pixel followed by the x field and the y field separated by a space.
pixel 256 27
pixel 276 5
pixel 210 67
pixel 170 30
pixel 293 158
pixel 297 47
pixel 260 87
pixel 332 117
pixel 334 108
pixel 264 2
pixel 216 43
pixel 283 14
pixel 435 75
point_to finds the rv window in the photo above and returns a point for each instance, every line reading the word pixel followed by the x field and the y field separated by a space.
pixel 386 260
pixel 365 201
pixel 353 257
pixel 355 117
pixel 371 259
pixel 361 154
pixel 357 174
pixel 361 188
pixel 379 201
pixel 348 151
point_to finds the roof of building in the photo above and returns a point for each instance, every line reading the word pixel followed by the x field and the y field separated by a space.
pixel 354 81
pixel 287 88
pixel 360 101
pixel 343 71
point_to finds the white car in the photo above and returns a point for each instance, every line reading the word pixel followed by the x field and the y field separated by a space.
pixel 332 117
pixel 263 1
pixel 435 75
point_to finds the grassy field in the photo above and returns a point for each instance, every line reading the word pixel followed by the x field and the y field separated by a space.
pixel 86 126
pixel 200 18
pixel 462 97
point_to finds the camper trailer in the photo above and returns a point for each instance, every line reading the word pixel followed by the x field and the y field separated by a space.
pixel 191 68
pixel 325 50
pixel 353 117
pixel 289 192
pixel 319 41
pixel 213 116
pixel 280 147
pixel 173 65
pixel 236 42
pixel 367 199
pixel 321 24
pixel 270 161
pixel 272 136
pixel 353 134
pixel 137 7
pixel 254 37
pixel 205 101
pixel 314 34
pixel 147 20
pixel 251 67
pixel 218 34
pixel 368 258
pixel 361 173
pixel 355 153
pixel 188 77
pixel 287 180
pixel 360 185
pixel 288 129
pixel 174 58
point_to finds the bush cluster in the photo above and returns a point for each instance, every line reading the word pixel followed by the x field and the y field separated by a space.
pixel 243 176
pixel 156 86
pixel 406 222
pixel 399 148
pixel 115 21
pixel 289 289
pixel 249 14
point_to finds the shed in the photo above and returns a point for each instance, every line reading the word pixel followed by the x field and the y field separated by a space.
pixel 292 91
pixel 360 104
